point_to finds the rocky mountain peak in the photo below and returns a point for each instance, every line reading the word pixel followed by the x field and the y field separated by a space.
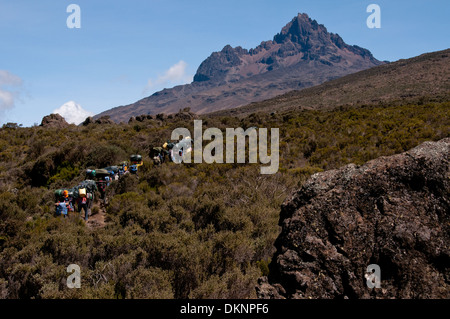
pixel 302 39
pixel 302 55
pixel 299 29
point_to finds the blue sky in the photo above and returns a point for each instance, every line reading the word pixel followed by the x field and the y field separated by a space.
pixel 127 50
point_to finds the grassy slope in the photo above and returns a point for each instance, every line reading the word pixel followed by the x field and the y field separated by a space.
pixel 178 231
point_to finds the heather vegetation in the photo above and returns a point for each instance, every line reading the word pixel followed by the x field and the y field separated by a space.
pixel 174 230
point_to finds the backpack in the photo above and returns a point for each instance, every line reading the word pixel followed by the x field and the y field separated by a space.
pixel 136 158
pixel 133 169
pixel 61 208
pixel 59 193
pixel 74 192
pixel 90 185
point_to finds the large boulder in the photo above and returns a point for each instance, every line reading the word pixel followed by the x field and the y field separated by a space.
pixel 393 212
pixel 104 120
pixel 54 120
pixel 88 120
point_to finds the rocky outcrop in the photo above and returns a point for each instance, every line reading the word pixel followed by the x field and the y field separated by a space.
pixel 101 121
pixel 218 64
pixel 54 120
pixel 88 120
pixel 184 115
pixel 392 212
pixel 104 120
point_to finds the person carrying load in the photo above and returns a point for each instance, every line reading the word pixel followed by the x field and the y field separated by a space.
pixel 123 168
pixel 84 201
pixel 181 148
pixel 68 197
pixel 113 171
pixel 133 169
pixel 63 205
pixel 168 145
pixel 102 182
pixel 136 160
pixel 158 155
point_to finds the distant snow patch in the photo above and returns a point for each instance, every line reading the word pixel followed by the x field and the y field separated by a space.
pixel 73 112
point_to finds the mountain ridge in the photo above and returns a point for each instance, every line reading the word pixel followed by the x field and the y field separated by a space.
pixel 302 54
pixel 415 80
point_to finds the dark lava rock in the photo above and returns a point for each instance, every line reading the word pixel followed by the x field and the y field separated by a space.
pixel 88 120
pixel 104 120
pixel 393 212
pixel 185 115
pixel 54 120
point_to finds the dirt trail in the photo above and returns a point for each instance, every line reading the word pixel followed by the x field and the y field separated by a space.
pixel 97 220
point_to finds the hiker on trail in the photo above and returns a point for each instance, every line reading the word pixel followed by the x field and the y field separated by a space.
pixel 103 177
pixel 123 168
pixel 134 169
pixel 158 155
pixel 113 172
pixel 168 146
pixel 136 160
pixel 181 148
pixel 84 201
pixel 69 200
pixel 64 205
pixel 61 207
pixel 101 185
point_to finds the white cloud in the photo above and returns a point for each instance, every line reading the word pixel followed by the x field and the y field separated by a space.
pixel 10 86
pixel 175 75
pixel 73 112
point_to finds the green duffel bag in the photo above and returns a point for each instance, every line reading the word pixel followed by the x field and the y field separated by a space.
pixel 73 192
pixel 59 193
pixel 91 172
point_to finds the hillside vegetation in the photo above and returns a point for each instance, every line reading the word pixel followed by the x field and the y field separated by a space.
pixel 418 80
pixel 176 230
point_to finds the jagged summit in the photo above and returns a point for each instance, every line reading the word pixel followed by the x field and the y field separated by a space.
pixel 314 38
pixel 302 54
pixel 299 28
pixel 302 39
